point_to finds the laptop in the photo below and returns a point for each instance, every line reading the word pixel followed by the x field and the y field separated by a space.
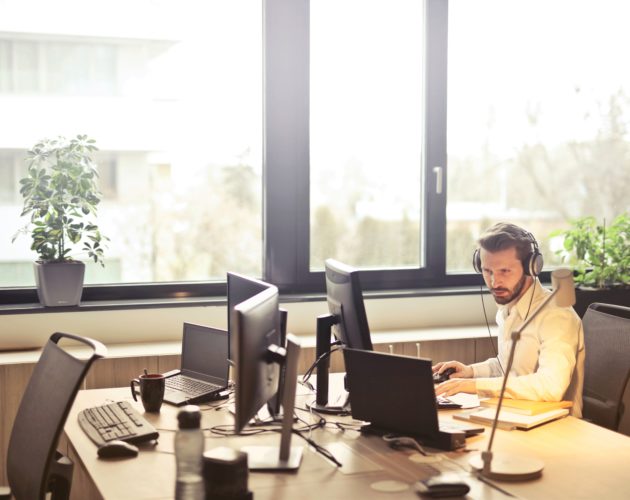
pixel 203 375
pixel 396 394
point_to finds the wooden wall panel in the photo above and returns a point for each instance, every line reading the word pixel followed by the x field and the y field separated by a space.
pixel 391 348
pixel 118 372
pixel 168 363
pixel 442 350
pixel 484 348
pixel 307 358
pixel 13 380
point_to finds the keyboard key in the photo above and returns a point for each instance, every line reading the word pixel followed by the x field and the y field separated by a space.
pixel 116 421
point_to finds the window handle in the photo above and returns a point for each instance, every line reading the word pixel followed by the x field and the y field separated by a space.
pixel 439 174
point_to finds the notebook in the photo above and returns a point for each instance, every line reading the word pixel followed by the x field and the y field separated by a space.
pixel 510 420
pixel 526 407
pixel 203 375
pixel 396 394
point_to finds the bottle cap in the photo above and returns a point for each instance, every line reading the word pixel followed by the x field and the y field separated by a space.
pixel 189 417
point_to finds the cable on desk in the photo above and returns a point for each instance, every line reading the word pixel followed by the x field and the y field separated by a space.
pixel 218 404
pixel 406 441
pixel 229 430
pixel 395 441
pixel 321 422
pixel 224 404
pixel 492 485
pixel 319 449
pixel 344 426
pixel 309 372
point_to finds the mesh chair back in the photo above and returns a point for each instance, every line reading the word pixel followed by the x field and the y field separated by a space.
pixel 42 414
pixel 607 363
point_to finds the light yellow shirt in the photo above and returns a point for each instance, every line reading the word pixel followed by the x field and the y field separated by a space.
pixel 549 358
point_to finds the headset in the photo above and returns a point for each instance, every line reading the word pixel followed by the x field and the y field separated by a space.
pixel 532 263
pixel 532 266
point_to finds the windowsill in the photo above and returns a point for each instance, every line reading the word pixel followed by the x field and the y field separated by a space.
pixel 111 305
pixel 170 348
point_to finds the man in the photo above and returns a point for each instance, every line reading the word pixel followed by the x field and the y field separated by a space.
pixel 549 358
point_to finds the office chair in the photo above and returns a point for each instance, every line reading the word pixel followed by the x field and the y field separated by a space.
pixel 607 363
pixel 34 467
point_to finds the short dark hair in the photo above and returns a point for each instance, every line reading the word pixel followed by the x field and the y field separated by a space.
pixel 504 235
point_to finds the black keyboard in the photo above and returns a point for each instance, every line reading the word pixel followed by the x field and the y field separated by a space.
pixel 116 421
pixel 190 386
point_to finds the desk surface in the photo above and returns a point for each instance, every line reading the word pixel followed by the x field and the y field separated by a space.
pixel 581 460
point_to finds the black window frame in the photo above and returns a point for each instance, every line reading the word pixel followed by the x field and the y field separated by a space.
pixel 286 172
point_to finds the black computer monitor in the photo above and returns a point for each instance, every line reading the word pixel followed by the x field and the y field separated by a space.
pixel 345 304
pixel 257 361
pixel 239 289
pixel 346 319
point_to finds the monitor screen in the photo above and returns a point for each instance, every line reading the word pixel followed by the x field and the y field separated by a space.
pixel 256 376
pixel 345 302
pixel 239 289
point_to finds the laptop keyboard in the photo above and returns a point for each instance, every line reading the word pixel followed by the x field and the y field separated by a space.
pixel 190 386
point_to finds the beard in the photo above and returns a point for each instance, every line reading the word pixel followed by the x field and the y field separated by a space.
pixel 507 294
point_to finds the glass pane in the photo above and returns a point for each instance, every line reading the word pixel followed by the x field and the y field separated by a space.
pixel 539 106
pixel 8 184
pixel 366 132
pixel 174 102
pixel 23 72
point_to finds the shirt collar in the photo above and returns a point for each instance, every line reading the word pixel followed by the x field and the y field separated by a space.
pixel 526 303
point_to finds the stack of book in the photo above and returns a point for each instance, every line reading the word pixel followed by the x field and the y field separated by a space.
pixel 517 413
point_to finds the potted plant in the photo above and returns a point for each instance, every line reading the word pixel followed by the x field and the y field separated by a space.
pixel 61 196
pixel 600 256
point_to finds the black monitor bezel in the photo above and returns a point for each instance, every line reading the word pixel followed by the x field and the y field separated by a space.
pixel 256 376
pixel 240 288
pixel 344 296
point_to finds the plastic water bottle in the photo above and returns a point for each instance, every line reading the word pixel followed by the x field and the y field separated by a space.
pixel 189 447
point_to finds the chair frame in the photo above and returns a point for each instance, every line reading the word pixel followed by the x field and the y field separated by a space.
pixel 32 477
pixel 606 412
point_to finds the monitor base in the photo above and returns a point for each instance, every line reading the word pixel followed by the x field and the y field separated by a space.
pixel 329 409
pixel 263 458
pixel 508 467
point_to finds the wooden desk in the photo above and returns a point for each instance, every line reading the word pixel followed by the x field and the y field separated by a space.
pixel 581 461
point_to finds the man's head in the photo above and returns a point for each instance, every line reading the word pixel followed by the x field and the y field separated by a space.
pixel 507 257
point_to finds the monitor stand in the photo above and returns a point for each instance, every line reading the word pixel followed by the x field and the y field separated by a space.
pixel 286 457
pixel 321 404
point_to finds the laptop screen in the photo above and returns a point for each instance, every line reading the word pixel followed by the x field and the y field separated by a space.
pixel 204 353
pixel 394 393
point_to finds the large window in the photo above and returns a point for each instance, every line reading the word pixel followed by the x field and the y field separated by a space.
pixel 266 136
pixel 366 130
pixel 538 115
pixel 171 92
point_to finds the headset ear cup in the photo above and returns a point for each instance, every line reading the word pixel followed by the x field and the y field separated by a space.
pixel 533 264
pixel 476 261
pixel 536 263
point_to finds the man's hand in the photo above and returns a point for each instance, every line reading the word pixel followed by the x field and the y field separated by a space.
pixel 455 385
pixel 461 370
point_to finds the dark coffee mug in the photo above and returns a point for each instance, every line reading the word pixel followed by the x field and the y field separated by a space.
pixel 151 390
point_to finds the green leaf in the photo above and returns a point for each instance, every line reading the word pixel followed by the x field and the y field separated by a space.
pixel 59 191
